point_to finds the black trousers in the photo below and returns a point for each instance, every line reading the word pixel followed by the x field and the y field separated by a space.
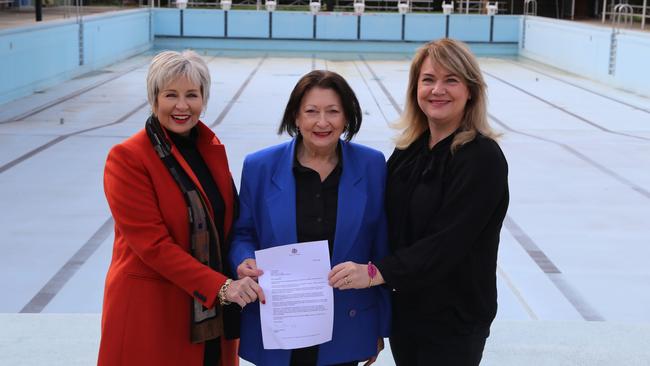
pixel 309 356
pixel 212 352
pixel 437 350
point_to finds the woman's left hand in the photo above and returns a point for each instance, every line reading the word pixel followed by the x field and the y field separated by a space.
pixel 349 275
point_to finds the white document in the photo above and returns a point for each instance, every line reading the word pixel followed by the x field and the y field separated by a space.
pixel 299 309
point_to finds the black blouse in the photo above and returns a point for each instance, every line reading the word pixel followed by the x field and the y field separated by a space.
pixel 316 206
pixel 316 202
pixel 445 213
pixel 187 147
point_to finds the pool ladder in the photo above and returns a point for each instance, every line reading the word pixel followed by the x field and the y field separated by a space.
pixel 79 18
pixel 530 8
pixel 623 13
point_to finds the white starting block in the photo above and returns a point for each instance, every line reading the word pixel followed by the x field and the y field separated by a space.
pixel 226 5
pixel 314 7
pixel 448 8
pixel 270 5
pixel 403 6
pixel 181 4
pixel 359 7
pixel 492 8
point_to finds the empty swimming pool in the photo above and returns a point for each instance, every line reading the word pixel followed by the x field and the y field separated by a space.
pixel 574 244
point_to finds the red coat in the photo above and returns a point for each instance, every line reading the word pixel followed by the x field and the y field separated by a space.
pixel 153 277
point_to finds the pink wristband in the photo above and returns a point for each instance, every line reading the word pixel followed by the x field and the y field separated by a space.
pixel 372 272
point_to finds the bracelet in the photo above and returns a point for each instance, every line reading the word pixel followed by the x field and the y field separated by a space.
pixel 222 293
pixel 372 272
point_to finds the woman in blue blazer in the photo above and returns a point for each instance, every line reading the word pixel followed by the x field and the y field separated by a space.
pixel 318 186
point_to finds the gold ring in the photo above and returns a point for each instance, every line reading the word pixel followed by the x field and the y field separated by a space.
pixel 347 280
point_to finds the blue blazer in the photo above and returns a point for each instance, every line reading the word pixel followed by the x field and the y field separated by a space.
pixel 268 218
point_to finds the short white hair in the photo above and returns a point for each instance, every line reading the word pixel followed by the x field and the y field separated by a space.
pixel 168 66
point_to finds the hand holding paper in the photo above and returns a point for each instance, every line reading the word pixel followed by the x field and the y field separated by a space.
pixel 248 268
pixel 244 292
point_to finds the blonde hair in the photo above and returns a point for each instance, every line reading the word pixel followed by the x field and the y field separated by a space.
pixel 168 66
pixel 456 57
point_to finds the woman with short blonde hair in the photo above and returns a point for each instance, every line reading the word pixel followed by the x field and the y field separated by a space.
pixel 169 65
pixel 168 292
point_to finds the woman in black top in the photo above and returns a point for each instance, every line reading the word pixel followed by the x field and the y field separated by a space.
pixel 446 198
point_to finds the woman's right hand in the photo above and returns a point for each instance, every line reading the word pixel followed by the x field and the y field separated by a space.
pixel 248 268
pixel 244 291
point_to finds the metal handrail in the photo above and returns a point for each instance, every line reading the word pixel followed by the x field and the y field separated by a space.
pixel 530 7
pixel 615 3
pixel 624 12
pixel 640 11
pixel 464 6
pixel 477 6
pixel 387 5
